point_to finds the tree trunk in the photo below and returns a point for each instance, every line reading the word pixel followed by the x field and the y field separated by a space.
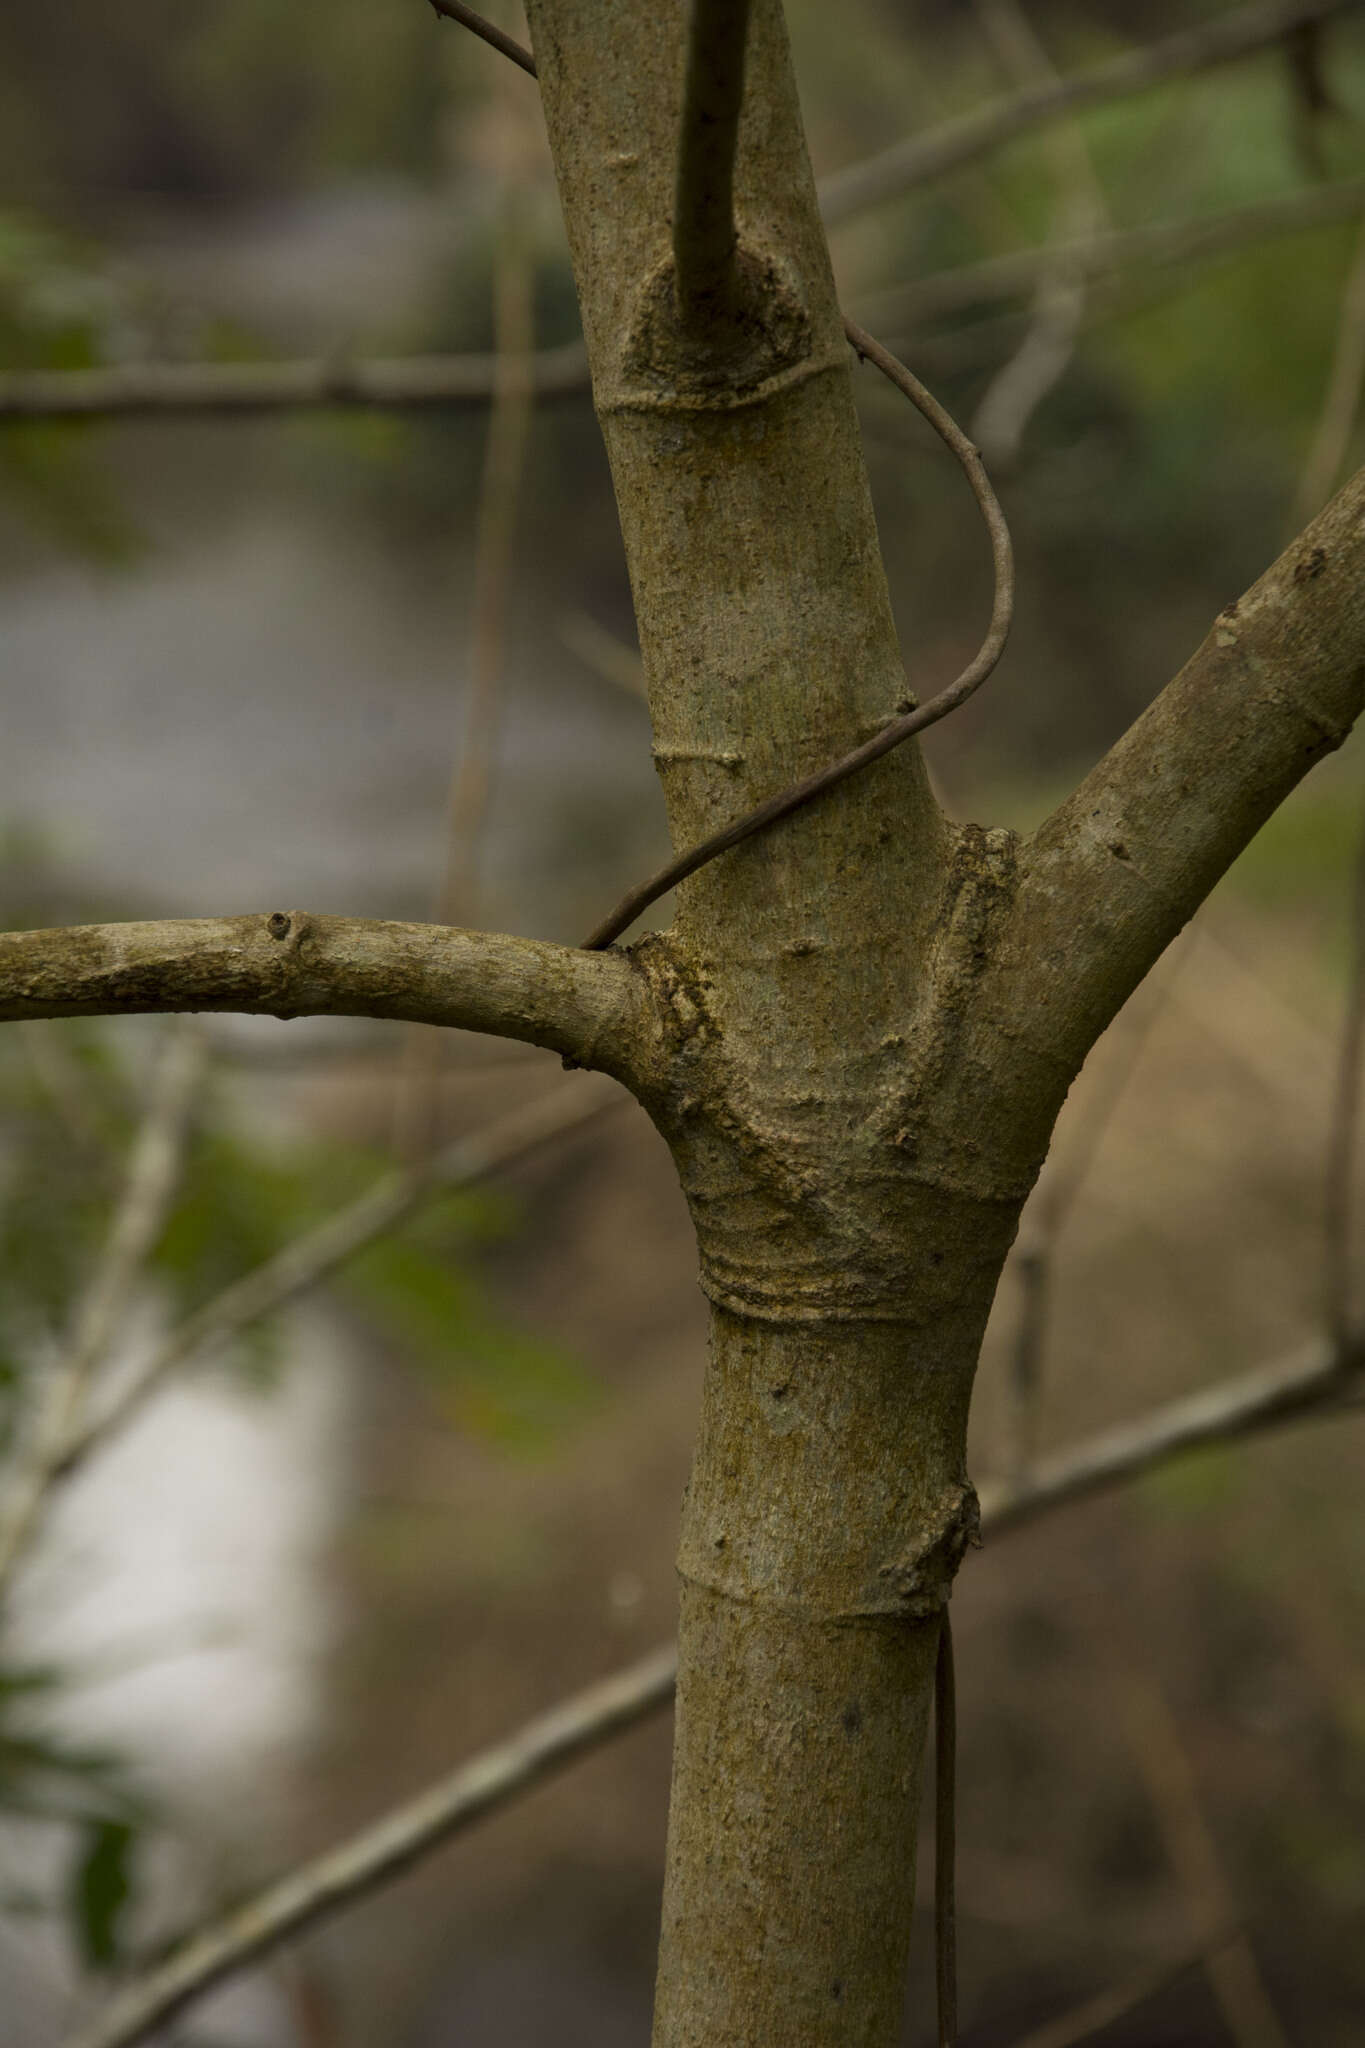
pixel 850 1251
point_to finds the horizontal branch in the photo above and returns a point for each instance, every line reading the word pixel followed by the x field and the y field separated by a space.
pixel 192 390
pixel 1121 866
pixel 294 964
pixel 1316 1383
pixel 393 384
pixel 1155 245
pixel 973 135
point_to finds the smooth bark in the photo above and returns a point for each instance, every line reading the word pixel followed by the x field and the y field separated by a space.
pixel 294 964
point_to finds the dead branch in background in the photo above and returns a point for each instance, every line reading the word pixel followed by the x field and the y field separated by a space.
pixel 384 1851
pixel 1343 1132
pixel 1341 399
pixel 394 384
pixel 1046 1212
pixel 154 1170
pixel 1168 1774
pixel 1116 2002
pixel 416 1113
pixel 969 136
pixel 1159 244
pixel 317 1253
pixel 1058 311
pixel 1288 1390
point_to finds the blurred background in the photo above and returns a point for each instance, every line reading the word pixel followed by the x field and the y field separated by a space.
pixel 382 662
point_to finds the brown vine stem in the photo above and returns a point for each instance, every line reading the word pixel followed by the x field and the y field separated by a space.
pixel 455 10
pixel 896 730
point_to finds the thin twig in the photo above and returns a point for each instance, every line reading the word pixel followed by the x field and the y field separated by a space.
pixel 1318 1381
pixel 391 384
pixel 1284 1391
pixel 616 661
pixel 1048 1208
pixel 394 1844
pixel 1345 1125
pixel 1020 384
pixel 154 1171
pixel 319 1252
pixel 504 465
pixel 1069 2029
pixel 896 730
pixel 471 783
pixel 1164 1761
pixel 1341 400
pixel 973 135
pixel 704 238
pixel 1157 244
pixel 192 389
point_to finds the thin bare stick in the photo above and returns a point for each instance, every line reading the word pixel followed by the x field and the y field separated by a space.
pixel 153 1175
pixel 173 390
pixel 1158 244
pixel 504 465
pixel 1284 1391
pixel 416 1113
pixel 1341 400
pixel 704 238
pixel 1345 1125
pixel 1048 1208
pixel 1318 1381
pixel 896 730
pixel 394 1844
pixel 1287 1390
pixel 1069 2029
pixel 388 384
pixel 616 661
pixel 319 1252
pixel 1020 385
pixel 973 135
pixel 1173 1788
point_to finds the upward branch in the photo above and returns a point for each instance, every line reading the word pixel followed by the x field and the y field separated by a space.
pixel 1112 876
pixel 295 965
pixel 704 239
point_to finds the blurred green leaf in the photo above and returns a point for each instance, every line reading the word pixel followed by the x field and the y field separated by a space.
pixel 101 1888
